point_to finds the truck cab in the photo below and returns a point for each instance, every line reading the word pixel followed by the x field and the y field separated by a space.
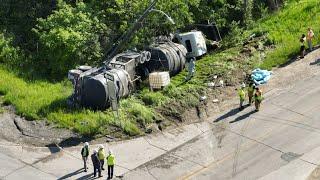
pixel 194 42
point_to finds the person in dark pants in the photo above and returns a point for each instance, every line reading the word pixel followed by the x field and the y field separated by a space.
pixel 110 162
pixel 302 45
pixel 85 153
pixel 101 156
pixel 258 98
pixel 251 92
pixel 96 163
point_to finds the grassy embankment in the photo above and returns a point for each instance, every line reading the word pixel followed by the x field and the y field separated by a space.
pixel 43 100
pixel 286 27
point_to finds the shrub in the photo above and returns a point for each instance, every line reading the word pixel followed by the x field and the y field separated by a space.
pixel 68 38
pixel 9 54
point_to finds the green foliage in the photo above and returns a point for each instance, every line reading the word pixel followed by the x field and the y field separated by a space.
pixel 69 33
pixel 235 37
pixel 136 111
pixel 8 54
pixel 153 98
pixel 120 15
pixel 68 38
pixel 18 17
pixel 38 100
pixel 286 27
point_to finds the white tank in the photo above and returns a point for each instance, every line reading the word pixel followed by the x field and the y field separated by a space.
pixel 194 42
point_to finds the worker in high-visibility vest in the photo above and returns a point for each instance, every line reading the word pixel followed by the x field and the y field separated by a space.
pixel 101 155
pixel 242 96
pixel 251 92
pixel 110 162
pixel 258 98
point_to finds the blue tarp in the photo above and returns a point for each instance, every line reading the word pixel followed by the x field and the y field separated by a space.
pixel 260 76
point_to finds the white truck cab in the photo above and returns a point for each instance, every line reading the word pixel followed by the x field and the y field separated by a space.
pixel 194 42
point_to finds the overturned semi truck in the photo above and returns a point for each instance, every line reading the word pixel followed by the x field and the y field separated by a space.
pixel 100 87
pixel 124 70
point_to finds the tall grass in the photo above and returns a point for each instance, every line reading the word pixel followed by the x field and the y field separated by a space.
pixel 43 100
pixel 286 27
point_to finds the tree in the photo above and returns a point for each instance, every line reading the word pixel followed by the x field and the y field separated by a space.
pixel 68 37
pixel 273 5
pixel 19 17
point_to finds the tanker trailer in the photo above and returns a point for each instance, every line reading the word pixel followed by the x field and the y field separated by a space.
pixel 91 84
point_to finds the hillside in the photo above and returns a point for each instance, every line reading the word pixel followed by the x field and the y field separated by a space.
pixel 276 41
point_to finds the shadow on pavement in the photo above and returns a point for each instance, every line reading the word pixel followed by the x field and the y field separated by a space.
pixel 88 176
pixel 230 114
pixel 243 116
pixel 68 176
pixel 316 62
pixel 74 141
pixel 294 57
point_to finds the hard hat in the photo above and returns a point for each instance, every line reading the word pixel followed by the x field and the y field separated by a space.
pixel 110 151
pixel 101 146
pixel 95 151
pixel 243 85
pixel 86 144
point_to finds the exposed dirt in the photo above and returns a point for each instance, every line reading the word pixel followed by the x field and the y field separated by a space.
pixel 283 77
pixel 37 133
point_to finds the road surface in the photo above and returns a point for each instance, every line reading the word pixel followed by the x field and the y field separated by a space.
pixel 282 141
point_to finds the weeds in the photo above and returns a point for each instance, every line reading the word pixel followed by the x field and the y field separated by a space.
pixel 285 29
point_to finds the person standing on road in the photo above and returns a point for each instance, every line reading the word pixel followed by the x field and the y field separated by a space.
pixel 101 155
pixel 110 162
pixel 85 153
pixel 96 163
pixel 242 96
pixel 250 92
pixel 309 38
pixel 302 45
pixel 258 98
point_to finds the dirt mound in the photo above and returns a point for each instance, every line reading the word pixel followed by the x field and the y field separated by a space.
pixel 38 133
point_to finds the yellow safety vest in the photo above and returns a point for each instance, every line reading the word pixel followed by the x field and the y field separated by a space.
pixel 110 160
pixel 241 94
pixel 101 154
pixel 250 90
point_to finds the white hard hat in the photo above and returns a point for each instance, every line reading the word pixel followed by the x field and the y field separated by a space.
pixel 86 144
pixel 101 146
pixel 110 151
pixel 95 151
pixel 243 85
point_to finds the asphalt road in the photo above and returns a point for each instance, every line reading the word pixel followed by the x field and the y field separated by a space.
pixel 282 141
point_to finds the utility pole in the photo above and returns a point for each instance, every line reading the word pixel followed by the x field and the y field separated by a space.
pixel 126 37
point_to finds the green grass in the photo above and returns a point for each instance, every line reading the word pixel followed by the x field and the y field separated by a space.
pixel 38 100
pixel 286 27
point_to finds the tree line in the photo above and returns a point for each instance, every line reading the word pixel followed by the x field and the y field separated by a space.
pixel 57 35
